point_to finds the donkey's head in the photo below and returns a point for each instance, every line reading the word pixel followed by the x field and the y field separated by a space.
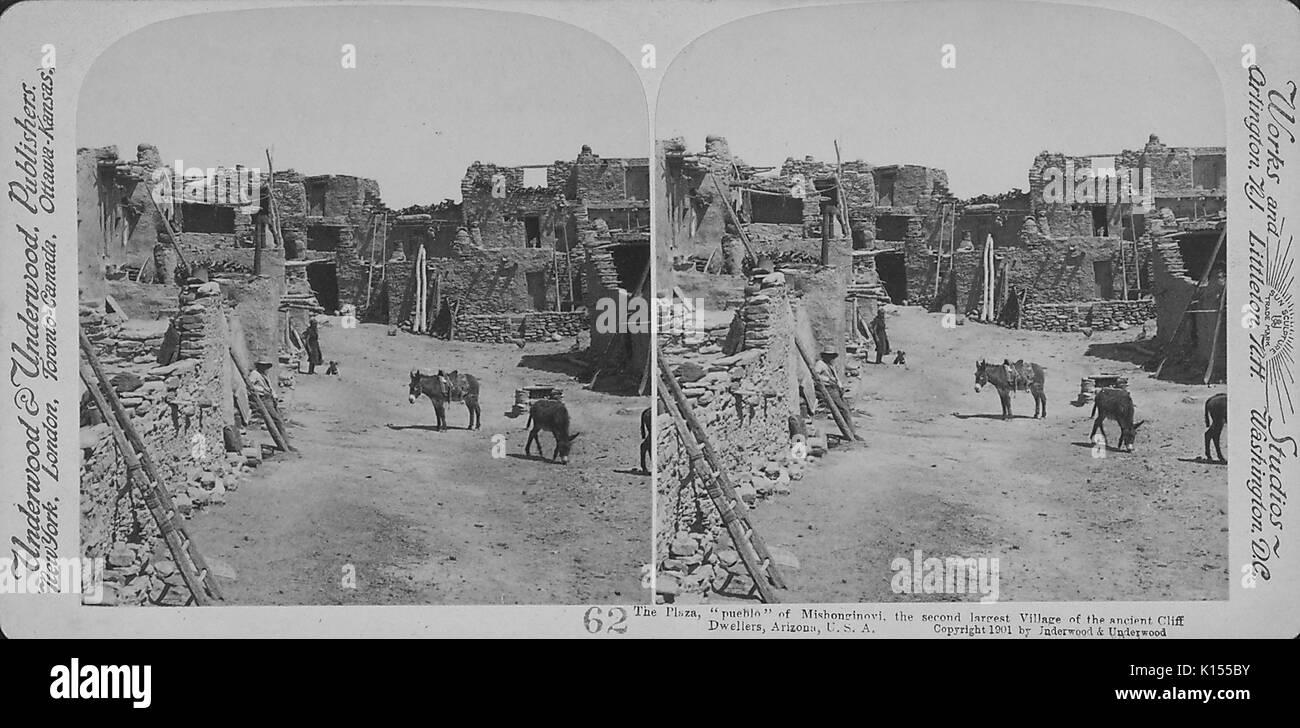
pixel 564 446
pixel 415 389
pixel 1127 435
pixel 981 374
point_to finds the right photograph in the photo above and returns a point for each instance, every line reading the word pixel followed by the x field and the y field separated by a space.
pixel 941 309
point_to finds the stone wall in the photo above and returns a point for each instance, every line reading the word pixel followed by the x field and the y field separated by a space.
pixel 1052 270
pixel 744 402
pixel 179 410
pixel 1095 315
pixel 510 328
pixel 291 206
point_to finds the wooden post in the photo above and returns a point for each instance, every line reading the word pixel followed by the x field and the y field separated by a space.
pixel 555 266
pixel 1214 341
pixel 370 279
pixel 938 258
pixel 275 211
pixel 827 222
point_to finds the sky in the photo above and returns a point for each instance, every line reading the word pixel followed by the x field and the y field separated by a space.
pixel 434 89
pixel 1028 78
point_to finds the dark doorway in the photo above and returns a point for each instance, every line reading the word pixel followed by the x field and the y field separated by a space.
pixel 1103 275
pixel 891 227
pixel 323 237
pixel 892 269
pixel 323 278
pixel 630 260
pixel 1195 248
pixel 316 198
pixel 537 289
pixel 885 189
pixel 770 207
pixel 197 217
pixel 533 231
pixel 1100 221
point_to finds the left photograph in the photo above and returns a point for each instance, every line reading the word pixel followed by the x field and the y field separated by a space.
pixel 354 288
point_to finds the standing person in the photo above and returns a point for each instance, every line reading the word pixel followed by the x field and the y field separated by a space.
pixel 311 340
pixel 879 335
pixel 824 370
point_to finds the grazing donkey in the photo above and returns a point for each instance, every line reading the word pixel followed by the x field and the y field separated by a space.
pixel 1007 378
pixel 1116 404
pixel 550 415
pixel 441 388
pixel 1216 416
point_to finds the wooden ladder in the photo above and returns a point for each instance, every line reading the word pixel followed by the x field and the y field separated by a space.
pixel 733 511
pixel 142 472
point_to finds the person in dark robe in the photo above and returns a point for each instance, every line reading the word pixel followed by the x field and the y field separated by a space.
pixel 879 335
pixel 311 340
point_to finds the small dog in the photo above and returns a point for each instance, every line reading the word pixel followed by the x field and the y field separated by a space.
pixel 333 369
pixel 900 357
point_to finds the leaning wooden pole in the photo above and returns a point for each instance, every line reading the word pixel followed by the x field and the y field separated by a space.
pixel 171 234
pixel 735 220
pixel 1214 341
pixel 841 419
pixel 280 438
pixel 275 211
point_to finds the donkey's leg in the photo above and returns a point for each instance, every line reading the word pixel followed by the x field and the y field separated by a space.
pixel 1096 427
pixel 440 409
pixel 1006 404
pixel 532 435
pixel 1218 433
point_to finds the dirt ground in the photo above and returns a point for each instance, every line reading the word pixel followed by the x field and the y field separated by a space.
pixel 426 517
pixel 941 472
